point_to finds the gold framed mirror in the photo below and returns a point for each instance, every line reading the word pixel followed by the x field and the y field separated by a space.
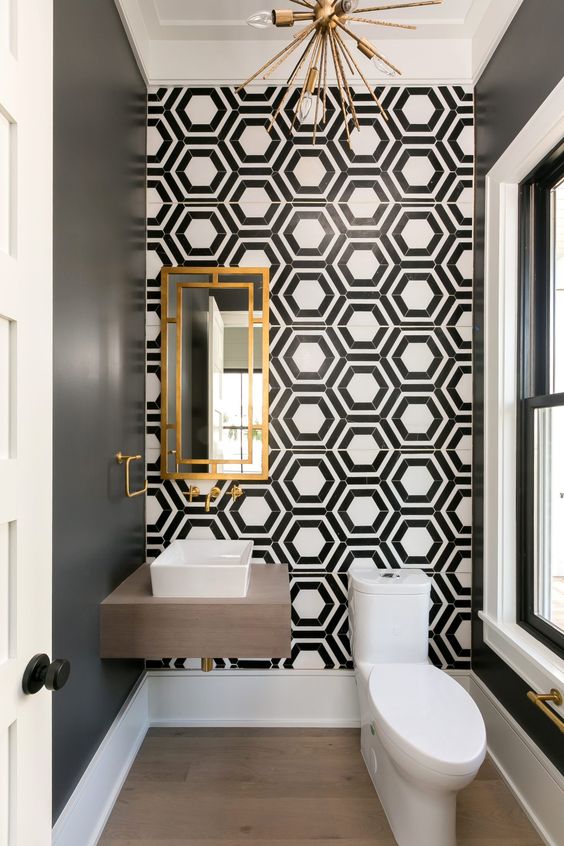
pixel 214 372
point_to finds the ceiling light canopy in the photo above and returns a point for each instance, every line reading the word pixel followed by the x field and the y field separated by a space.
pixel 323 41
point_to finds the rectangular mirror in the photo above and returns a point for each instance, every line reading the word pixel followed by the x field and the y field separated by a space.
pixel 214 399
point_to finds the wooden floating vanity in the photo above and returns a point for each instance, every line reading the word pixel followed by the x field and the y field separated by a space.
pixel 136 624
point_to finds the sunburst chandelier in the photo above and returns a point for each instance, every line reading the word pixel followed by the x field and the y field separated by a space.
pixel 323 41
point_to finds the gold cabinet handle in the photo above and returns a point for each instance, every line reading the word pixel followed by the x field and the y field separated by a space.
pixel 121 458
pixel 539 699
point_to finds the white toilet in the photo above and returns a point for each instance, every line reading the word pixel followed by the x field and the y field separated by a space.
pixel 423 738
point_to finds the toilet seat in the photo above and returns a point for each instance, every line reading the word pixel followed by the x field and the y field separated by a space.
pixel 429 716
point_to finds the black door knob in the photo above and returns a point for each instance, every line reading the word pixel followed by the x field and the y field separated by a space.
pixel 40 672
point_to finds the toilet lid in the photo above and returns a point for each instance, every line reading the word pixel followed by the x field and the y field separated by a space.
pixel 368 579
pixel 429 716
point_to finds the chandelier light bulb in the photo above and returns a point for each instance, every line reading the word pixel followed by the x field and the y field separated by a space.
pixel 261 20
pixel 348 6
pixel 305 107
pixel 382 67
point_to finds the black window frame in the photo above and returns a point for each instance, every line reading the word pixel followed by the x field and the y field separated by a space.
pixel 534 374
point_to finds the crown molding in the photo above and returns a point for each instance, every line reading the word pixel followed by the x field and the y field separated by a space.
pixel 137 35
pixel 430 62
pixel 425 61
pixel 489 33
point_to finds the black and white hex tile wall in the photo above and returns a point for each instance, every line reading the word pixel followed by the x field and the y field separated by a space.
pixel 369 250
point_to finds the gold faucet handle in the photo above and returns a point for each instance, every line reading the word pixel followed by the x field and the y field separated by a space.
pixel 193 492
pixel 236 491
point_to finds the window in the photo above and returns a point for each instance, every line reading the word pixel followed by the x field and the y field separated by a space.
pixel 233 422
pixel 540 411
pixel 513 628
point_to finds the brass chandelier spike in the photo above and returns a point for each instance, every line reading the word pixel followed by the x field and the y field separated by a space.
pixel 321 41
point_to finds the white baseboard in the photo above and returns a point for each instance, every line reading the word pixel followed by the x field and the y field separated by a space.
pixel 267 698
pixel 83 819
pixel 462 677
pixel 284 698
pixel 534 781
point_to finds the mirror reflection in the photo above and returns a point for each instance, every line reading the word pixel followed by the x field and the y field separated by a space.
pixel 215 373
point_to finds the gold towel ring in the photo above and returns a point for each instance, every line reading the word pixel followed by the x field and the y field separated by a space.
pixel 120 458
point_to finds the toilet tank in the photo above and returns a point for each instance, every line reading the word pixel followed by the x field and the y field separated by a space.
pixel 388 615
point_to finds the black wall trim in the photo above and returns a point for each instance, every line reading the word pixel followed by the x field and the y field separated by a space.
pixel 509 92
pixel 99 333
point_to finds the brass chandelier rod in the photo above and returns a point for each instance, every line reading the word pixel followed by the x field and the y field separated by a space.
pixel 324 81
pixel 381 23
pixel 399 6
pixel 344 80
pixel 344 53
pixel 290 84
pixel 371 91
pixel 299 39
pixel 313 50
pixel 322 37
pixel 366 47
pixel 336 63
pixel 286 49
pixel 298 67
pixel 318 98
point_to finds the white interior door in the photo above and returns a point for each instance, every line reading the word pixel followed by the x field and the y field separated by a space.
pixel 26 132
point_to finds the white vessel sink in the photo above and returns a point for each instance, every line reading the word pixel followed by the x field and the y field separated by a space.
pixel 202 568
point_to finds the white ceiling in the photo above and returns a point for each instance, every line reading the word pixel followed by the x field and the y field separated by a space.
pixel 225 20
pixel 209 40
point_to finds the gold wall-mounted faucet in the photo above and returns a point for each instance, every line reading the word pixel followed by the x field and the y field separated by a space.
pixel 213 494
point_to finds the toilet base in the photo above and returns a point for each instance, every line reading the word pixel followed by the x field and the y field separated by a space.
pixel 418 815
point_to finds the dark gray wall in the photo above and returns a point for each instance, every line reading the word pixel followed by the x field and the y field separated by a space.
pixel 527 65
pixel 99 209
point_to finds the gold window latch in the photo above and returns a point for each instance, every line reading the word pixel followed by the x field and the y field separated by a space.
pixel 121 458
pixel 539 699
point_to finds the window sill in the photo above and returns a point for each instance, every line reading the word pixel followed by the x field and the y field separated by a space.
pixel 531 659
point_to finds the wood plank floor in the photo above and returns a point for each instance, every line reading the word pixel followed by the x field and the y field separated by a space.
pixel 288 787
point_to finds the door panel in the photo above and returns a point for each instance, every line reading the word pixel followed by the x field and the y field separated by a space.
pixel 26 130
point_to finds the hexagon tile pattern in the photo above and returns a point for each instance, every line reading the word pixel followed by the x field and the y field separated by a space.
pixel 370 255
